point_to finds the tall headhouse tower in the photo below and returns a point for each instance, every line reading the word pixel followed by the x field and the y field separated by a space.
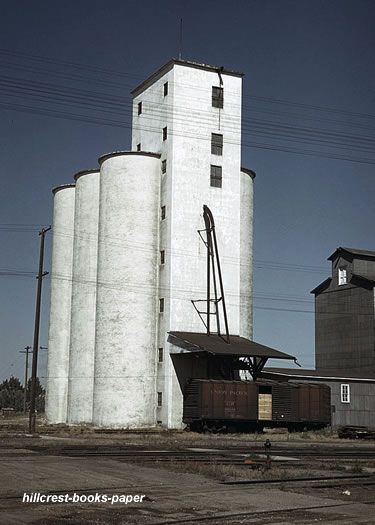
pixel 191 114
pixel 150 260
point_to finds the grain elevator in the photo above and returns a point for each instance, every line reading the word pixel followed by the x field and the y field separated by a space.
pixel 127 258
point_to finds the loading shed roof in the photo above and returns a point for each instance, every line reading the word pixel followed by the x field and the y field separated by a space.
pixel 214 344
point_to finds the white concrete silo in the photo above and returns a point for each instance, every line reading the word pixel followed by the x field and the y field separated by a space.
pixel 61 292
pixel 246 253
pixel 83 312
pixel 127 291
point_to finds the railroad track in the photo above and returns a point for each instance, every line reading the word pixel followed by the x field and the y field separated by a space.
pixel 224 456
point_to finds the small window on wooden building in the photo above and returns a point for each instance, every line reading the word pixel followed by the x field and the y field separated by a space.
pixel 161 305
pixel 345 393
pixel 164 166
pixel 342 276
pixel 165 133
pixel 139 147
pixel 160 355
pixel 165 89
pixel 139 108
pixel 163 213
pixel 162 257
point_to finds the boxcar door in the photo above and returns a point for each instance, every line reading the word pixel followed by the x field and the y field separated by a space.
pixel 265 403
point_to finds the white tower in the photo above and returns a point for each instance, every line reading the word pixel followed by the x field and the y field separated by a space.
pixel 60 305
pixel 191 115
pixel 83 305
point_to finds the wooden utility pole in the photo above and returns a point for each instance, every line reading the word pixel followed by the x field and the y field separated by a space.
pixel 34 367
pixel 26 351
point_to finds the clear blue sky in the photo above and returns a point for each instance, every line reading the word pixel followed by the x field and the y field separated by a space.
pixel 309 133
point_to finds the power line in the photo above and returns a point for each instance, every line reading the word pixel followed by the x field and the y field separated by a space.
pixel 111 123
pixel 91 99
pixel 277 131
pixel 115 73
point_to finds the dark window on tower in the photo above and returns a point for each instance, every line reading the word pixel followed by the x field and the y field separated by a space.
pixel 160 355
pixel 165 133
pixel 216 144
pixel 162 257
pixel 160 399
pixel 216 176
pixel 139 147
pixel 162 213
pixel 139 108
pixel 161 305
pixel 166 89
pixel 217 97
pixel 163 166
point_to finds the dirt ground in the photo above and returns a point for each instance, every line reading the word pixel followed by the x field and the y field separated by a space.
pixel 183 477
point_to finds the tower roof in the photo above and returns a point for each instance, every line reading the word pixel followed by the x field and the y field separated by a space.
pixel 352 251
pixel 188 63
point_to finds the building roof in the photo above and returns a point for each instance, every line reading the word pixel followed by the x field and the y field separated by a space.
pixel 248 171
pixel 352 251
pixel 365 281
pixel 355 279
pixel 62 187
pixel 333 375
pixel 188 63
pixel 322 286
pixel 106 156
pixel 85 172
pixel 214 344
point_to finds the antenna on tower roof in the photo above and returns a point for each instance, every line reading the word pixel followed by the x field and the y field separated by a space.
pixel 180 46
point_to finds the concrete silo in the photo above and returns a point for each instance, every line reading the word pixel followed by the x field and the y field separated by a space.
pixel 82 338
pixel 127 290
pixel 246 253
pixel 60 307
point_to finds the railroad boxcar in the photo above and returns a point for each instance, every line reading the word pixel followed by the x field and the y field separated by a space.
pixel 247 405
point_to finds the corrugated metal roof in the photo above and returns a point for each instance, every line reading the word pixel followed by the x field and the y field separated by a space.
pixel 214 344
pixel 334 375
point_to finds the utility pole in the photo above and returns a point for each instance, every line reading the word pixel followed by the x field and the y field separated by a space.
pixel 34 368
pixel 26 351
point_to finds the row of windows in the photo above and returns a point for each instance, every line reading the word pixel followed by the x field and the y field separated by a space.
pixel 216 173
pixel 216 146
pixel 165 93
pixel 216 178
pixel 217 97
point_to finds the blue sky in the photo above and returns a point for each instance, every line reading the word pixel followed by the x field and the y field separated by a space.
pixel 309 133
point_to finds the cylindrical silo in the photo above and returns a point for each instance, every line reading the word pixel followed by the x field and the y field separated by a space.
pixel 246 253
pixel 61 293
pixel 82 329
pixel 127 298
